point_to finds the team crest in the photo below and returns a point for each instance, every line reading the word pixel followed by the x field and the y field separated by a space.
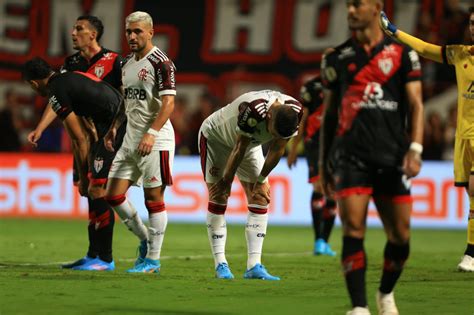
pixel 386 65
pixel 98 164
pixel 99 71
pixel 142 74
pixel 252 122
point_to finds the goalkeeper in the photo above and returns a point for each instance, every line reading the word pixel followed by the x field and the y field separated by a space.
pixel 462 58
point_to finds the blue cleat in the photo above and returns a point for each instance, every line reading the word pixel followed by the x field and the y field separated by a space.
pixel 147 266
pixel 142 251
pixel 223 271
pixel 96 264
pixel 80 261
pixel 259 272
pixel 323 248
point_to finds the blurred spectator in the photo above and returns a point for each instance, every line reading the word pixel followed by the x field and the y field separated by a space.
pixel 450 133
pixel 179 119
pixel 207 105
pixel 433 141
pixel 427 31
pixel 10 121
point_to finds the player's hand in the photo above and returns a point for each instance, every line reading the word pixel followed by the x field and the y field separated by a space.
pixel 389 28
pixel 83 186
pixel 411 163
pixel 146 144
pixel 34 136
pixel 291 159
pixel 220 190
pixel 261 193
pixel 109 139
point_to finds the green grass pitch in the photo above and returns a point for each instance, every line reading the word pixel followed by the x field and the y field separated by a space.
pixel 32 283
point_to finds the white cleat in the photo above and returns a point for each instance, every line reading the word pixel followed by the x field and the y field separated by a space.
pixel 359 311
pixel 466 264
pixel 386 303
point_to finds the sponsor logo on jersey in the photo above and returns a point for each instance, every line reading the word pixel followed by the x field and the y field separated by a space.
pixel 135 94
pixel 142 74
pixel 470 92
pixel 386 65
pixel 99 71
pixel 98 164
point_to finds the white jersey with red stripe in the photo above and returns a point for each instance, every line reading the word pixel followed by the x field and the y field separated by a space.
pixel 144 82
pixel 246 115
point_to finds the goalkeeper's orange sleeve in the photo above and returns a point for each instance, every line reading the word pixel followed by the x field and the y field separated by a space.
pixel 427 50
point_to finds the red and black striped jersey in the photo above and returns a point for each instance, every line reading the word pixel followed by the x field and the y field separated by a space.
pixel 370 91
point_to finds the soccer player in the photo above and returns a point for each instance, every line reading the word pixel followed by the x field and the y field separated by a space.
pixel 230 142
pixel 323 210
pixel 373 98
pixel 105 65
pixel 148 147
pixel 73 95
pixel 462 58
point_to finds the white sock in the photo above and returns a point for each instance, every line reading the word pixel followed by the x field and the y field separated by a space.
pixel 217 234
pixel 156 233
pixel 255 231
pixel 131 219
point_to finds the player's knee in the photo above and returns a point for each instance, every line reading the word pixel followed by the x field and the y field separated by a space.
pixel 354 228
pixel 400 235
pixel 259 200
pixel 96 191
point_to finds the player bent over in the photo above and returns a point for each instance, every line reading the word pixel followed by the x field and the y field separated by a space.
pixel 147 151
pixel 73 96
pixel 461 57
pixel 230 143
pixel 323 209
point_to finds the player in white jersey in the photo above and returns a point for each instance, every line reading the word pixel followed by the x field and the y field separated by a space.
pixel 230 143
pixel 148 147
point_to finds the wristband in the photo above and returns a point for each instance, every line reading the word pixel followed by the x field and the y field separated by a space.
pixel 261 179
pixel 416 147
pixel 153 132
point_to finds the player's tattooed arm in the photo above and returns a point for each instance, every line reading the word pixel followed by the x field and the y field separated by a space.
pixel 275 152
pixel 46 119
pixel 293 153
pixel 328 131
pixel 412 159
pixel 80 145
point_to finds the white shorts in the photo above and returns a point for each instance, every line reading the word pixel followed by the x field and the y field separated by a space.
pixel 153 170
pixel 214 157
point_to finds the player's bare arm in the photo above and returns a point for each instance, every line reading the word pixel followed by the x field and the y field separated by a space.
pixel 328 131
pixel 427 50
pixel 293 153
pixel 120 117
pixel 80 146
pixel 46 119
pixel 89 127
pixel 275 152
pixel 223 186
pixel 146 144
pixel 412 159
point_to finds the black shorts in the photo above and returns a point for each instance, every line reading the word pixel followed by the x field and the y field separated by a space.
pixel 100 159
pixel 311 150
pixel 355 176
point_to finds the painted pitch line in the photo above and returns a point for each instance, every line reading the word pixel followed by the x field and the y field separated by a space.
pixel 188 257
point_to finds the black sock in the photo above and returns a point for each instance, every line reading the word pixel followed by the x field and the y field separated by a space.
pixel 104 228
pixel 354 264
pixel 394 260
pixel 469 250
pixel 93 249
pixel 317 202
pixel 329 216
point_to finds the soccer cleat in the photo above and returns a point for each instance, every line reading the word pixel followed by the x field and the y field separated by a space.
pixel 96 264
pixel 359 311
pixel 386 303
pixel 223 271
pixel 319 246
pixel 466 264
pixel 329 251
pixel 259 272
pixel 147 266
pixel 80 261
pixel 142 251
